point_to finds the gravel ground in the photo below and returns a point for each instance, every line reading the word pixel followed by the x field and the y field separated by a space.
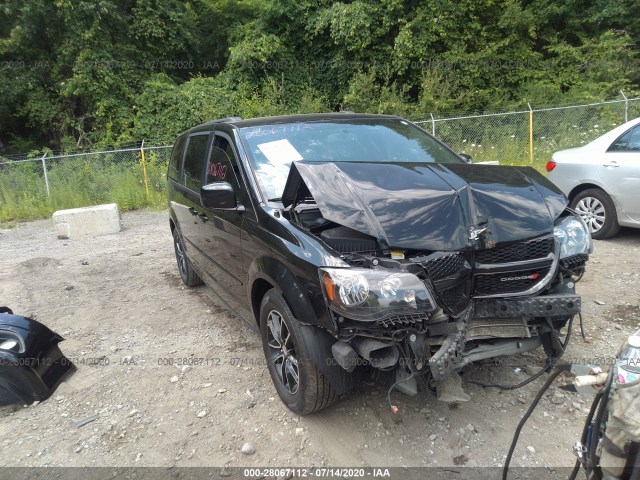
pixel 119 303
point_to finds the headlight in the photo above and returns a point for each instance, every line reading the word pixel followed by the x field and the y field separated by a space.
pixel 574 237
pixel 364 294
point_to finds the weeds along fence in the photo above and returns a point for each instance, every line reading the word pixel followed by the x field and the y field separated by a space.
pixel 531 136
pixel 132 178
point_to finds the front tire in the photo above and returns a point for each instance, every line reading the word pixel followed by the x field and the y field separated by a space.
pixel 188 275
pixel 598 211
pixel 299 383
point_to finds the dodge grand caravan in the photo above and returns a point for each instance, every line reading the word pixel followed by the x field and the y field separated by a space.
pixel 361 245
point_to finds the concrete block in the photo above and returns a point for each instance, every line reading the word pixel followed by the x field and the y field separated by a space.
pixel 87 221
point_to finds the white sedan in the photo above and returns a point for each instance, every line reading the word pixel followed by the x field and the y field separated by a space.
pixel 602 179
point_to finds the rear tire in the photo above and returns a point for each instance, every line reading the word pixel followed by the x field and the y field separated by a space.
pixel 299 383
pixel 189 277
pixel 598 211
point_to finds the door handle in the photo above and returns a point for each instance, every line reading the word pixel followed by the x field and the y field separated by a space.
pixel 193 211
pixel 611 164
pixel 203 217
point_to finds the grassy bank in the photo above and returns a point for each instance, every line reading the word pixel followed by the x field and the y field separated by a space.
pixel 79 182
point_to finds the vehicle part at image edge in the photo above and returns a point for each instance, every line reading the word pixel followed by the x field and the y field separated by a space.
pixel 598 211
pixel 31 363
pixel 300 384
pixel 609 446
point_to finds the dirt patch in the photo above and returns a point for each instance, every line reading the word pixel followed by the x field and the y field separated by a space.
pixel 37 265
pixel 181 382
pixel 628 314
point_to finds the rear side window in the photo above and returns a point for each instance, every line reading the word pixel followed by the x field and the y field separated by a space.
pixel 194 161
pixel 628 141
pixel 176 157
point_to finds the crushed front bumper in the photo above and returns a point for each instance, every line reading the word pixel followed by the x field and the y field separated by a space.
pixel 557 305
pixel 455 353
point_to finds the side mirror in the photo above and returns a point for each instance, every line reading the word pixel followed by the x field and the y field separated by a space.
pixel 465 156
pixel 219 195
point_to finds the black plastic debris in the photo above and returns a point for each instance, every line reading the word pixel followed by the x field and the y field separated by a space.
pixel 31 363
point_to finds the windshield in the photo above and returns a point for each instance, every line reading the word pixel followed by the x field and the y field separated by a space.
pixel 272 148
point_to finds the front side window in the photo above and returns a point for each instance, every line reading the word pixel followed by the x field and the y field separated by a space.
pixel 272 148
pixel 223 167
pixel 193 162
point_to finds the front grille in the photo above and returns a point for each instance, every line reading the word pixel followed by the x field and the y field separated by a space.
pixel 515 252
pixel 507 282
pixel 441 266
pixel 506 269
pixel 454 296
pixel 450 274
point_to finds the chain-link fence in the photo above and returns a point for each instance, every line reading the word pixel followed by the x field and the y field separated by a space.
pixel 135 177
pixel 530 137
pixel 132 178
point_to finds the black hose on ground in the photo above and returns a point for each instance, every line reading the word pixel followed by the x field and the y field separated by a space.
pixel 598 408
pixel 524 419
pixel 584 337
pixel 599 404
pixel 552 361
pixel 513 386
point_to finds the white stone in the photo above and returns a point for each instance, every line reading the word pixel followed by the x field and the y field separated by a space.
pixel 87 221
pixel 248 449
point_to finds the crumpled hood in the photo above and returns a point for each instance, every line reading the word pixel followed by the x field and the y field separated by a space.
pixel 429 206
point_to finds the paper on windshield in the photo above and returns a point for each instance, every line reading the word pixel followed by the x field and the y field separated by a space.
pixel 280 152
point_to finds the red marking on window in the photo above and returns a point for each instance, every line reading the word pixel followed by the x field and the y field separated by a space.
pixel 217 170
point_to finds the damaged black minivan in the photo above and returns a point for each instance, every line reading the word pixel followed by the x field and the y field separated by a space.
pixel 361 245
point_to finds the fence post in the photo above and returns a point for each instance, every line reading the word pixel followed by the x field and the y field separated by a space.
pixel 433 125
pixel 626 107
pixel 46 176
pixel 530 134
pixel 144 170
